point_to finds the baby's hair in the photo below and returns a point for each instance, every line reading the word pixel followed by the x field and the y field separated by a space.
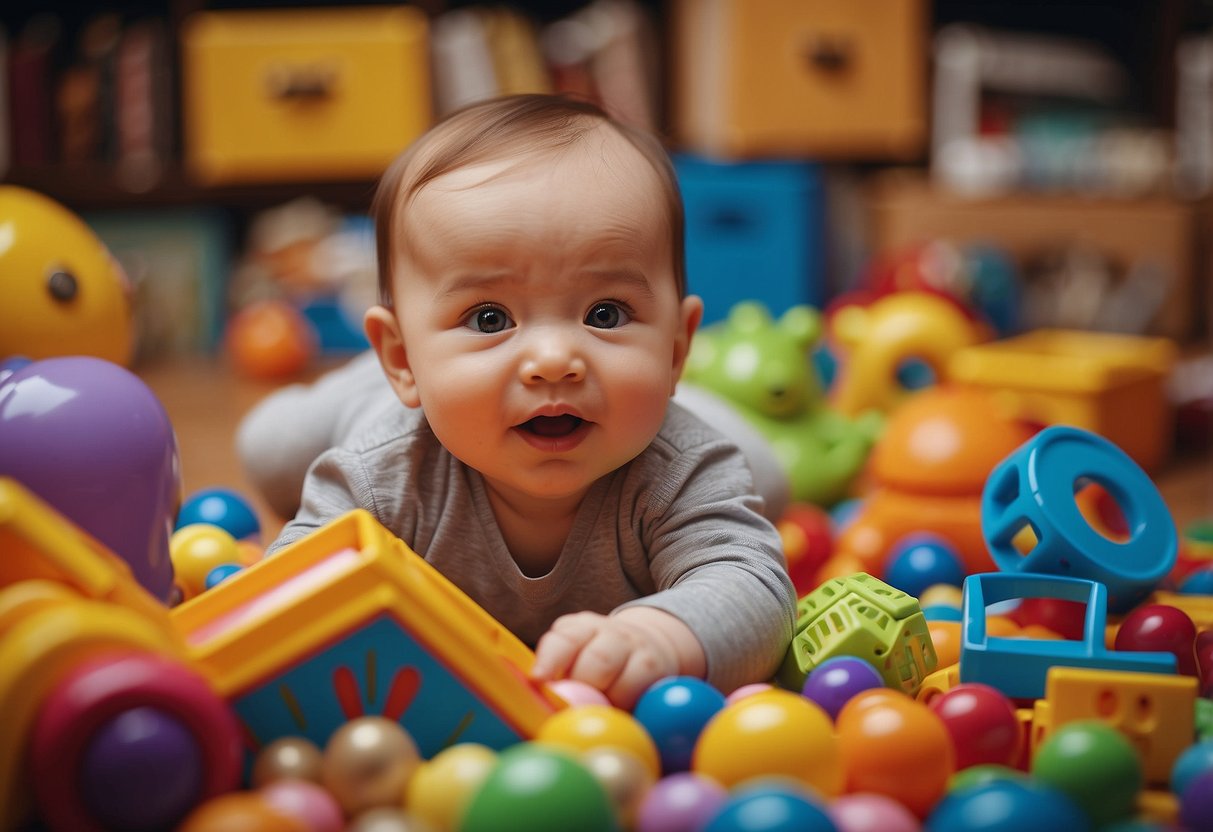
pixel 495 129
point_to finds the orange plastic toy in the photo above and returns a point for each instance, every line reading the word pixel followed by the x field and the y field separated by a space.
pixel 928 471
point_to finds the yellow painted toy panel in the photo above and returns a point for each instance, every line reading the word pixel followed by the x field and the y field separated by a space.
pixel 1154 711
pixel 842 78
pixel 310 94
pixel 354 583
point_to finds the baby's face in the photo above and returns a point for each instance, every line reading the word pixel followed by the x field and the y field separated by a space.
pixel 539 314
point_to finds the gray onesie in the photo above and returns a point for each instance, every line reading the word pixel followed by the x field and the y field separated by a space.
pixel 677 528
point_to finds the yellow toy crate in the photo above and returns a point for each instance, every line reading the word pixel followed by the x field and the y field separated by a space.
pixel 303 95
pixel 1113 385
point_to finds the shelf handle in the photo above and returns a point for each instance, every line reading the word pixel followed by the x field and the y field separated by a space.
pixel 301 82
pixel 830 53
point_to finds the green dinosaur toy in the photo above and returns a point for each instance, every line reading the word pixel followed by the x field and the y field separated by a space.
pixel 763 368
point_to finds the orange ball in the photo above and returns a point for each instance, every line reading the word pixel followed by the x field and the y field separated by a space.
pixel 945 636
pixel 772 733
pixel 895 746
pixel 270 339
pixel 239 812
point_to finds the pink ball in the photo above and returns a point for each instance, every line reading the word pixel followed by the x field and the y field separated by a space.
pixel 578 693
pixel 744 691
pixel 306 802
pixel 865 812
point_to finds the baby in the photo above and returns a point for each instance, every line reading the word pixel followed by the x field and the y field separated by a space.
pixel 534 322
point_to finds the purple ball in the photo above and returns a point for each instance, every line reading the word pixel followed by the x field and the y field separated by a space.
pixel 833 682
pixel 91 439
pixel 682 802
pixel 1196 802
pixel 142 770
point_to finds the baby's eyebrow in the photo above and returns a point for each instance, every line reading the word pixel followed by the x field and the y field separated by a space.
pixel 477 282
pixel 629 277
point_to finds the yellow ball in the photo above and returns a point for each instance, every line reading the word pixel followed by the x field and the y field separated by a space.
pixel 772 733
pixel 941 594
pixel 196 549
pixel 585 727
pixel 368 763
pixel 441 788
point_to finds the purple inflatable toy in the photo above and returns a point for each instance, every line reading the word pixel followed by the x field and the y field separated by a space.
pixel 91 439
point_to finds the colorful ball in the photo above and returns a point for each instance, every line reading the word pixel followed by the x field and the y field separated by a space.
pixel 1160 628
pixel 980 775
pixel 862 812
pixel 773 733
pixel 833 682
pixel 220 507
pixel 770 807
pixel 623 777
pixel 368 763
pixel 747 690
pixel 1198 582
pixel 443 786
pixel 295 758
pixel 541 789
pixel 306 802
pixel 385 819
pixel 240 812
pixel 895 746
pixel 982 723
pixel 577 692
pixel 1196 759
pixel 681 802
pixel 808 537
pixel 674 711
pixel 1196 803
pixel 220 574
pixel 1007 806
pixel 919 561
pixel 1095 765
pixel 583 727
pixel 196 550
pixel 270 340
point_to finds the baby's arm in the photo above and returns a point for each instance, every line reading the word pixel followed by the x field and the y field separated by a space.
pixel 620 654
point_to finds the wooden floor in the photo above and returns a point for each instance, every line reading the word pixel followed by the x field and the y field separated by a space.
pixel 205 401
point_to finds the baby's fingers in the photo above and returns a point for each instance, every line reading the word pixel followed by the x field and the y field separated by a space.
pixel 559 646
pixel 601 660
pixel 642 669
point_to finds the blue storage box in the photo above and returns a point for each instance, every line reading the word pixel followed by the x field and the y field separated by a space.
pixel 754 231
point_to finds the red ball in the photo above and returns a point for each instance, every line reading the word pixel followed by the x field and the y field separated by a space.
pixel 813 549
pixel 1204 660
pixel 982 724
pixel 1160 628
pixel 1066 618
pixel 270 339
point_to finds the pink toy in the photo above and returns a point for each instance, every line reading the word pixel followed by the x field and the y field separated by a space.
pixel 863 812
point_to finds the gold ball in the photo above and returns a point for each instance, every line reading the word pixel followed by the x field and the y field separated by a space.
pixel 624 777
pixel 294 758
pixel 368 762
pixel 443 786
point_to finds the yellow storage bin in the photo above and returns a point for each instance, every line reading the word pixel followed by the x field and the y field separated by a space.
pixel 1113 385
pixel 826 78
pixel 302 95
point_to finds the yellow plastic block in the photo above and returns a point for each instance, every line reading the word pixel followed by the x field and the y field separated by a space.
pixel 350 621
pixel 63 599
pixel 1154 711
pixel 938 682
pixel 1113 385
pixel 1198 607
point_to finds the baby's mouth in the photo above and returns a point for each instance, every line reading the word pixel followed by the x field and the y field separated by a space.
pixel 552 426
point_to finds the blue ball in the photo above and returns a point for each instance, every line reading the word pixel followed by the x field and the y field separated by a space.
pixel 220 573
pixel 1196 759
pixel 1198 582
pixel 843 513
pixel 770 807
pixel 223 508
pixel 833 682
pixel 918 561
pixel 674 710
pixel 1007 806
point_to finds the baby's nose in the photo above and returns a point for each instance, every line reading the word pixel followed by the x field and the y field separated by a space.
pixel 552 358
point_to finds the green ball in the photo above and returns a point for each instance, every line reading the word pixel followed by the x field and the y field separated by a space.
pixel 974 776
pixel 1204 719
pixel 540 789
pixel 1095 765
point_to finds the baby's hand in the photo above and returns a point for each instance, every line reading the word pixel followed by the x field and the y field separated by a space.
pixel 621 654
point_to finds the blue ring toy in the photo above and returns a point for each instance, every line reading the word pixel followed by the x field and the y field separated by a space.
pixel 1035 486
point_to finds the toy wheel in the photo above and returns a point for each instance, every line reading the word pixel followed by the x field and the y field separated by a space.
pixel 131 741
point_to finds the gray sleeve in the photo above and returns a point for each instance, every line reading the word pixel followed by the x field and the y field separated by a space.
pixel 719 566
pixel 335 484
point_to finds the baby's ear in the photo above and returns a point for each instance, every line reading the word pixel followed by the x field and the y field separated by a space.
pixel 690 313
pixel 383 331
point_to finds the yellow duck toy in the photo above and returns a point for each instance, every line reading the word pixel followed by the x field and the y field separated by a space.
pixel 61 291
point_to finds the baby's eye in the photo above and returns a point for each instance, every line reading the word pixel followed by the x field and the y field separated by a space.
pixel 606 315
pixel 488 319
